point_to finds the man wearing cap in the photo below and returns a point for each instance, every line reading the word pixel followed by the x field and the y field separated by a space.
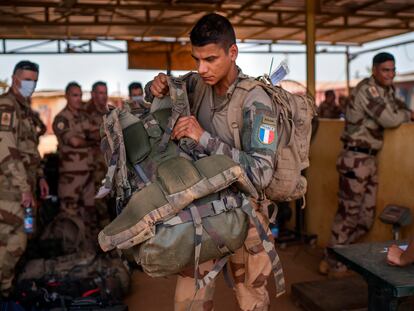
pixel 20 168
pixel 372 108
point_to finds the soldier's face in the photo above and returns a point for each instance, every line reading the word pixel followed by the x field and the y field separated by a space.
pixel 74 98
pixel 384 73
pixel 100 95
pixel 136 92
pixel 213 63
pixel 23 75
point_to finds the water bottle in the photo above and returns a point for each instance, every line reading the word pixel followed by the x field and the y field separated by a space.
pixel 275 230
pixel 28 220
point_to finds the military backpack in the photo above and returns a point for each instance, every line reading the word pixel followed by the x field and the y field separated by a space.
pixel 294 127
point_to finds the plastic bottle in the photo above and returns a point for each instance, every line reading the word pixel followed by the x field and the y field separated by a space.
pixel 275 230
pixel 28 220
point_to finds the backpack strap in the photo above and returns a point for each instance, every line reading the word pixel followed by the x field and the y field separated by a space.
pixel 180 107
pixel 234 115
pixel 268 246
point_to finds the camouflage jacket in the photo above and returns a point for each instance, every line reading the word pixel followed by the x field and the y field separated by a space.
pixel 371 109
pixel 95 117
pixel 20 160
pixel 65 126
pixel 137 108
pixel 256 156
pixel 329 111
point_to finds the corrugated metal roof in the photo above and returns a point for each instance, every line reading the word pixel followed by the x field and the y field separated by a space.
pixel 341 21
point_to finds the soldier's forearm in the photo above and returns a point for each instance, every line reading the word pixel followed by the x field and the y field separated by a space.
pixel 258 167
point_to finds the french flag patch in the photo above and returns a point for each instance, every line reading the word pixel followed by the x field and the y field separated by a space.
pixel 266 134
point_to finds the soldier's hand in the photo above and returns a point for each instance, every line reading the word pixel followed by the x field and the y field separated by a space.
pixel 187 127
pixel 44 188
pixel 27 199
pixel 159 86
pixel 394 256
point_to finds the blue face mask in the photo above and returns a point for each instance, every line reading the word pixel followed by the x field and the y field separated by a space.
pixel 27 88
pixel 138 98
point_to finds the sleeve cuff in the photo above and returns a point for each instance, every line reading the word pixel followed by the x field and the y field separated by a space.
pixel 204 139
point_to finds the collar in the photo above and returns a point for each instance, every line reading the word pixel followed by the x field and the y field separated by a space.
pixel 383 91
pixel 24 102
pixel 240 77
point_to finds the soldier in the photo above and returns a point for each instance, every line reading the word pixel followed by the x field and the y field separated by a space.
pixel 136 103
pixel 76 138
pixel 215 51
pixel 373 107
pixel 96 109
pixel 328 108
pixel 20 168
pixel 135 91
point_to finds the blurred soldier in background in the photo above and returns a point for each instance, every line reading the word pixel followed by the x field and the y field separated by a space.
pixel 76 140
pixel 20 168
pixel 136 103
pixel 96 109
pixel 328 108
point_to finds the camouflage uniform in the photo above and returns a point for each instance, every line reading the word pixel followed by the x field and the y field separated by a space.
pixel 99 165
pixel 371 109
pixel 250 265
pixel 329 110
pixel 19 170
pixel 138 109
pixel 76 184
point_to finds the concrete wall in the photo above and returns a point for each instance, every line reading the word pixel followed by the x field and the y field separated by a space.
pixel 396 179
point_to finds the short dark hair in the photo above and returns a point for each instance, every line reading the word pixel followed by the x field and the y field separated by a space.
pixel 213 28
pixel 98 83
pixel 71 85
pixel 134 85
pixel 26 65
pixel 329 92
pixel 382 58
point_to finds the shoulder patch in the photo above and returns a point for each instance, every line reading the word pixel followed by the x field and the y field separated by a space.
pixel 373 91
pixel 264 135
pixel 61 124
pixel 6 120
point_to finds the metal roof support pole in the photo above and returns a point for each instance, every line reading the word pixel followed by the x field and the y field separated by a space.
pixel 348 64
pixel 310 46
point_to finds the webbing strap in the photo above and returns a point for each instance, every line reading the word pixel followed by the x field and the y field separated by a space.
pixel 221 245
pixel 117 167
pixel 180 107
pixel 218 266
pixel 198 235
pixel 268 247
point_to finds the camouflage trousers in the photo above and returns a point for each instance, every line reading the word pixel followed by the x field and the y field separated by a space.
pixel 358 183
pixel 13 242
pixel 250 267
pixel 77 196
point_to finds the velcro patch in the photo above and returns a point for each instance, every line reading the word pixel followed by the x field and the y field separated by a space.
pixel 264 133
pixel 60 124
pixel 6 120
pixel 373 91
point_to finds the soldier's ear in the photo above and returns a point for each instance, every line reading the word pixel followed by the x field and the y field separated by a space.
pixel 233 52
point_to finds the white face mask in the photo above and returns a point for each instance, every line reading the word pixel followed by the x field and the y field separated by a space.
pixel 27 88
pixel 138 98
